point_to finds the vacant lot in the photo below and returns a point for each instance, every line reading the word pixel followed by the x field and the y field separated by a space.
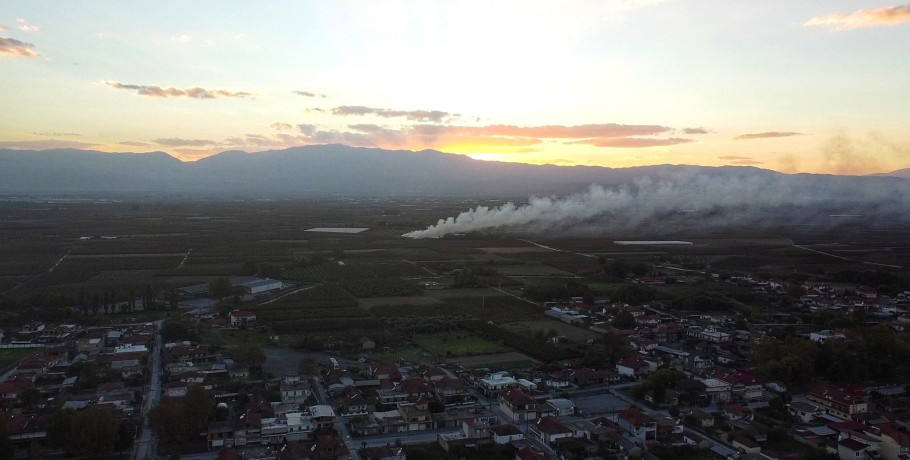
pixel 573 333
pixel 495 361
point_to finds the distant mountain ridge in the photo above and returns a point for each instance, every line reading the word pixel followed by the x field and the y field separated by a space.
pixel 339 169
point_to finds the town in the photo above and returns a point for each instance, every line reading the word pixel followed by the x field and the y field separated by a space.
pixel 669 382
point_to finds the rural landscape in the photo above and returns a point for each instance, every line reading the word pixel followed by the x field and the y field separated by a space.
pixel 454 230
pixel 251 325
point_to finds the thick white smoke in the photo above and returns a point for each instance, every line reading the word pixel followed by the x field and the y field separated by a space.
pixel 727 200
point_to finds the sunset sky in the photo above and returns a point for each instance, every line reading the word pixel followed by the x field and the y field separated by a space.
pixel 794 86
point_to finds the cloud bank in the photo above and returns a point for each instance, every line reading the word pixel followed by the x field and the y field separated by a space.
pixel 704 200
pixel 767 135
pixel 436 116
pixel 13 47
pixel 191 93
pixel 867 17
pixel 43 144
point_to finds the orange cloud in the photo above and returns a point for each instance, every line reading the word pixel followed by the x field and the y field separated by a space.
pixel 178 142
pixel 633 142
pixel 867 17
pixel 192 93
pixel 13 47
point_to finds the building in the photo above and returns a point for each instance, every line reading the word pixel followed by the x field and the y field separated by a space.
pixel 241 318
pixel 518 406
pixel 639 425
pixel 839 401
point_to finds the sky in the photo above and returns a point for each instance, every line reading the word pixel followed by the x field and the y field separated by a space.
pixel 817 86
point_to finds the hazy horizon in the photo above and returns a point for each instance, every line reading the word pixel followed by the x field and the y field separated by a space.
pixel 790 87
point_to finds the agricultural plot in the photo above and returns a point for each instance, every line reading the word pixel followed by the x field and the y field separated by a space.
pixel 386 301
pixel 531 270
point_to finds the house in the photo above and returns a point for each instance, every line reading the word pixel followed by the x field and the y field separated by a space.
pixel 639 425
pixel 717 390
pixel 702 418
pixel 562 406
pixel 840 401
pixel 242 318
pixel 743 384
pixel 352 401
pixel 632 366
pixel 506 433
pixel 895 441
pixel 530 452
pixel 385 371
pixel 417 418
pixel 415 388
pixel 495 383
pixel 746 445
pixel 366 344
pixel 850 449
pixel 451 390
pixel 518 406
pixel 294 391
pixel 732 411
pixel 804 411
pixel 549 429
pixel 383 453
pixel 323 417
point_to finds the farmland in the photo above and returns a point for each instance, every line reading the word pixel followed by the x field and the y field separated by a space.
pixel 461 297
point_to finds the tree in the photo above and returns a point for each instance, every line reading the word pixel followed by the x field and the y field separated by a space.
pixel 197 409
pixel 176 329
pixel 308 366
pixel 623 320
pixel 167 420
pixel 7 449
pixel 30 398
pixel 220 288
pixel 251 355
pixel 94 432
pixel 58 429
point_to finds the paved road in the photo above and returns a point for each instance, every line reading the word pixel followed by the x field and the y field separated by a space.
pixel 145 446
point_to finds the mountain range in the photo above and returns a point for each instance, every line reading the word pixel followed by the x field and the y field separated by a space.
pixel 339 169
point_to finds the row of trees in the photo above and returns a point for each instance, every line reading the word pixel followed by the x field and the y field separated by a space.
pixel 180 420
pixel 92 432
pixel 874 353
pixel 110 303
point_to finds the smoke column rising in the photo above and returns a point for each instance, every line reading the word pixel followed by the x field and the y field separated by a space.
pixel 727 200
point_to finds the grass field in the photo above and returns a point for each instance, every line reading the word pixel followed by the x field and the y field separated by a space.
pixel 573 333
pixel 8 356
pixel 458 344
pixel 496 361
pixel 235 337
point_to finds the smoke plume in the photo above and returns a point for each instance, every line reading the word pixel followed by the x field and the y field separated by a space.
pixel 701 200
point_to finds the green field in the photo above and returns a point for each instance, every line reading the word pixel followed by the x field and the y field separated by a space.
pixel 8 356
pixel 458 343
